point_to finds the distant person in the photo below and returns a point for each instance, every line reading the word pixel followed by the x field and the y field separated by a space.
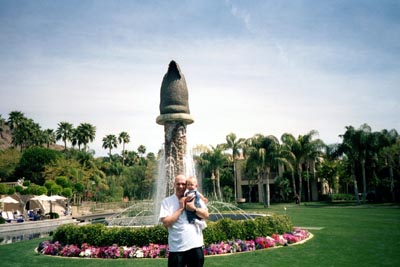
pixel 193 195
pixel 185 240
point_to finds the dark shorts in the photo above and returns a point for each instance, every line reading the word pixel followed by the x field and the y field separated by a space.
pixel 190 258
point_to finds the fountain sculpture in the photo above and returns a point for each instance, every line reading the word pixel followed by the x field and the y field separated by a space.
pixel 175 116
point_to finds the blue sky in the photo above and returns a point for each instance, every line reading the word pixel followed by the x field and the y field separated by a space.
pixel 266 67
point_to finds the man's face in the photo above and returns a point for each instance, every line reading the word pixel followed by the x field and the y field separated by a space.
pixel 180 185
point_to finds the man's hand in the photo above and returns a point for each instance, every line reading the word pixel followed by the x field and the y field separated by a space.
pixel 190 206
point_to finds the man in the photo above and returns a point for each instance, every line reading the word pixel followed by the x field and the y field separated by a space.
pixel 185 240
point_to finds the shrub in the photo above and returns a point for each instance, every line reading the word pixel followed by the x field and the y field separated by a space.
pixel 340 197
pixel 53 215
pixel 224 229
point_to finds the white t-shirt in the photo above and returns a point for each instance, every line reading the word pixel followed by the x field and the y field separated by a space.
pixel 182 235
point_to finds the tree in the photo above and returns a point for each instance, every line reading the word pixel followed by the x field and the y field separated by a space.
pixel 2 126
pixel 14 119
pixel 123 139
pixel 213 161
pixel 33 162
pixel 235 145
pixel 9 160
pixel 110 142
pixel 64 132
pixel 49 137
pixel 288 144
pixel 349 146
pixel 266 153
pixel 85 133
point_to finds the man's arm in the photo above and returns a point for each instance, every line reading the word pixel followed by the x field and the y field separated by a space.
pixel 171 219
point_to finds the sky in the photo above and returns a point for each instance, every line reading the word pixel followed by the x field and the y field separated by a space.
pixel 268 67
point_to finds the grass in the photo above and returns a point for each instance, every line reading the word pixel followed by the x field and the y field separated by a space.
pixel 367 235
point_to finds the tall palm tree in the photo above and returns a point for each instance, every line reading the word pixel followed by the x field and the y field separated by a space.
pixel 142 150
pixel 310 150
pixel 26 133
pixel 14 119
pixel 85 134
pixel 267 153
pixel 255 154
pixel 64 132
pixel 213 161
pixel 123 139
pixel 303 149
pixel 110 142
pixel 289 143
pixel 49 137
pixel 349 147
pixel 2 126
pixel 235 145
pixel 391 160
pixel 314 149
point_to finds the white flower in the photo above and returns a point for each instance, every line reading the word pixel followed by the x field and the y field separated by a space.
pixel 139 254
pixel 88 253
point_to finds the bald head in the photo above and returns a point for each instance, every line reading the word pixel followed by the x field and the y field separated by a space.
pixel 180 185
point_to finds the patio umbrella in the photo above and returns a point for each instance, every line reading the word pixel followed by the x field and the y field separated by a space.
pixel 8 199
pixel 43 198
pixel 57 197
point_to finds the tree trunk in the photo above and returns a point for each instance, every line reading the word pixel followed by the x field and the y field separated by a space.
pixel 300 182
pixel 294 184
pixel 364 181
pixel 392 183
pixel 267 189
pixel 213 183
pixel 353 174
pixel 218 184
pixel 234 180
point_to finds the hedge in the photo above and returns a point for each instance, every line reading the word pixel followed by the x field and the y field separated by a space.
pixel 223 229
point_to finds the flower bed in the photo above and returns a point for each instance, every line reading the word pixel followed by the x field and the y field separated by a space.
pixel 161 251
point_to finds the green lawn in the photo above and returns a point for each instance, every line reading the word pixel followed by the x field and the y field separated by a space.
pixel 351 235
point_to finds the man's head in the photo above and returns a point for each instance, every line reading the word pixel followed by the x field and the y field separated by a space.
pixel 191 183
pixel 180 185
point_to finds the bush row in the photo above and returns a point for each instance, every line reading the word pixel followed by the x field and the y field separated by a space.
pixel 224 229
pixel 340 197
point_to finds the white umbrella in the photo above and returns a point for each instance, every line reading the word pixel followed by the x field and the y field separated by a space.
pixel 57 197
pixel 42 198
pixel 8 200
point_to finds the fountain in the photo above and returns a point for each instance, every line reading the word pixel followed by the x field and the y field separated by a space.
pixel 174 116
pixel 175 159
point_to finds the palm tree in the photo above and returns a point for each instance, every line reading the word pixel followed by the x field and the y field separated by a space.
pixel 255 155
pixel 64 132
pixel 303 149
pixel 213 161
pixel 85 134
pixel 391 159
pixel 123 139
pixel 142 150
pixel 288 144
pixel 2 126
pixel 26 133
pixel 109 142
pixel 349 147
pixel 267 153
pixel 14 119
pixel 49 137
pixel 235 145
